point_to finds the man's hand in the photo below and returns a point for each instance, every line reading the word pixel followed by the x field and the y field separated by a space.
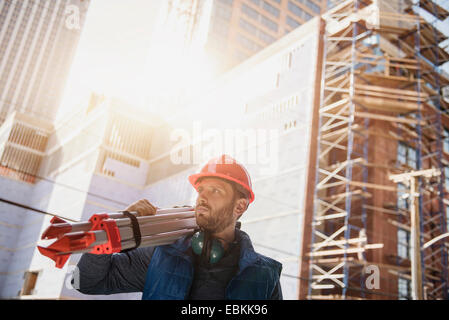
pixel 143 207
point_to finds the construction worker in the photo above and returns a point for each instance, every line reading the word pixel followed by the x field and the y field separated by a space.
pixel 218 262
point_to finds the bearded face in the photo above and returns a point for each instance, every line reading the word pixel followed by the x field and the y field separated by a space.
pixel 214 209
pixel 214 220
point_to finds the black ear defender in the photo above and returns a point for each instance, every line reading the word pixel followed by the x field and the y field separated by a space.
pixel 207 247
pixel 204 246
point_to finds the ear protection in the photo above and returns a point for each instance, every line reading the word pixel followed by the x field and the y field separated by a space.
pixel 206 247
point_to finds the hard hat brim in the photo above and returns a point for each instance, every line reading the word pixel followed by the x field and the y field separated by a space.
pixel 194 178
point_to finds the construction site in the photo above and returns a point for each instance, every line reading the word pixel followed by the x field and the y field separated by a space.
pixel 345 111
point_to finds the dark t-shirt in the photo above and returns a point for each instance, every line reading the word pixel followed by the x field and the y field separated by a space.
pixel 210 280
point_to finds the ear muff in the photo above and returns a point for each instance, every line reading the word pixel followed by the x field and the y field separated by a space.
pixel 203 245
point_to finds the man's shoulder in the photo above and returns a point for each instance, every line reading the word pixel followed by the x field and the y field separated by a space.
pixel 270 262
pixel 261 259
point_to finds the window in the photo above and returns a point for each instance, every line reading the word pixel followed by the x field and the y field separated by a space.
pixel 269 24
pixel 30 283
pixel 289 125
pixel 250 28
pixel 269 8
pixel 227 2
pixel 248 43
pixel 446 140
pixel 402 201
pixel 265 37
pixel 406 155
pixel 447 218
pixel 446 177
pixel 403 244
pixel 312 5
pixel 404 289
pixel 253 14
pixel 247 26
pixel 250 12
pixel 295 9
pixel 292 22
pixel 298 11
pixel 278 80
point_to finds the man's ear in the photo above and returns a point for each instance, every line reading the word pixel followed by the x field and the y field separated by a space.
pixel 240 206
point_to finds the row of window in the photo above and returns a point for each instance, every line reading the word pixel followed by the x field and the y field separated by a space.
pixel 311 5
pixel 248 43
pixel 292 22
pixel 404 252
pixel 227 2
pixel 407 155
pixel 253 14
pixel 279 108
pixel 298 11
pixel 256 31
pixel 267 7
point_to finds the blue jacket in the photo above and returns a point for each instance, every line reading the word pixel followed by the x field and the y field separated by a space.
pixel 170 273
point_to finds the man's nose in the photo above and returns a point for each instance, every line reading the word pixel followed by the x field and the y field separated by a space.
pixel 202 197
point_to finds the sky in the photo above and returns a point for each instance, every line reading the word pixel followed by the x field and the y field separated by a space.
pixel 113 48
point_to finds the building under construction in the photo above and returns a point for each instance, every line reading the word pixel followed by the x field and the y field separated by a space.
pixel 381 113
pixel 348 121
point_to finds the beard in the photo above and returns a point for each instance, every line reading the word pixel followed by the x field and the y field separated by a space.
pixel 215 221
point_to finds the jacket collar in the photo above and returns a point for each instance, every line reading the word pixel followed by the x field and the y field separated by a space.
pixel 247 254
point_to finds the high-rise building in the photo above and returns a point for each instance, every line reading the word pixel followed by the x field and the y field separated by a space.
pixel 37 44
pixel 233 30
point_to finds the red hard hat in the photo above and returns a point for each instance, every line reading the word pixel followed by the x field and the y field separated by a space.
pixel 227 168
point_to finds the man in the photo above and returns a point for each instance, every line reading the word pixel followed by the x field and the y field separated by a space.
pixel 218 262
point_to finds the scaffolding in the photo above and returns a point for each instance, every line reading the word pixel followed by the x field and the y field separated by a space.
pixel 381 92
